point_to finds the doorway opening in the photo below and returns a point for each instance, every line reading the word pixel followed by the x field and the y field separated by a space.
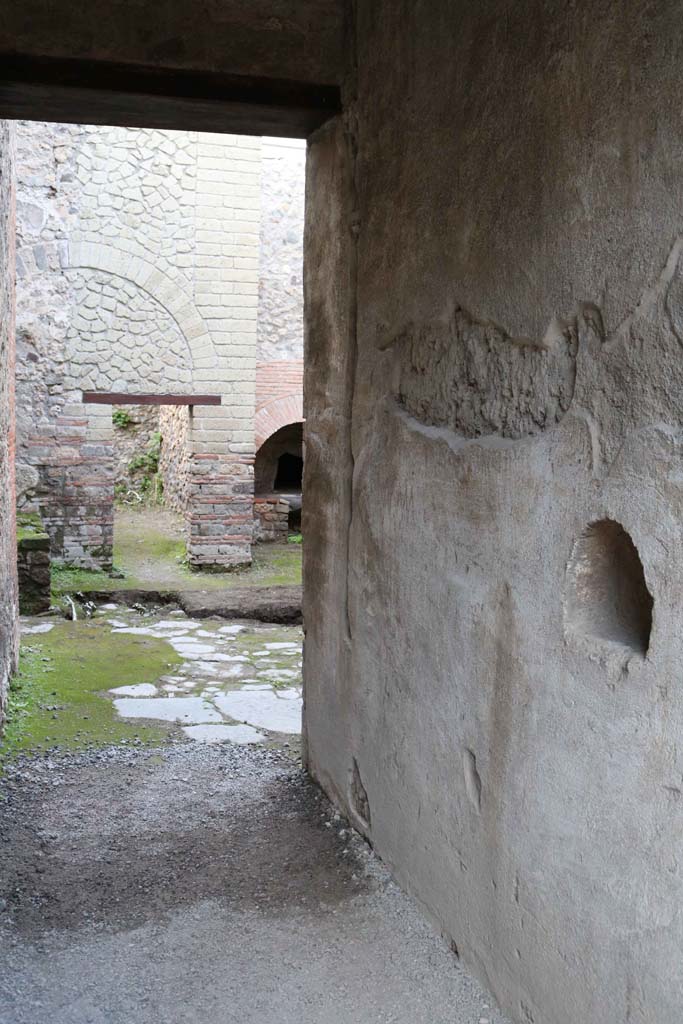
pixel 161 262
pixel 159 324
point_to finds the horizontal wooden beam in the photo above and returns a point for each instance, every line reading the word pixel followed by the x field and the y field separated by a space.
pixel 93 92
pixel 117 398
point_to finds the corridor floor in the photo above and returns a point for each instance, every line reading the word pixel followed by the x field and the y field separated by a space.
pixel 204 883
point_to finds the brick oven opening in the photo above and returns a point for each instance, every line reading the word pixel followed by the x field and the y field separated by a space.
pixel 278 472
pixel 289 475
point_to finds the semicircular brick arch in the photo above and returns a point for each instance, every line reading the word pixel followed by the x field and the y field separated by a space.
pixel 168 292
pixel 277 413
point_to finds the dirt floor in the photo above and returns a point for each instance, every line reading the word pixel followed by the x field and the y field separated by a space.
pixel 149 554
pixel 164 858
pixel 205 883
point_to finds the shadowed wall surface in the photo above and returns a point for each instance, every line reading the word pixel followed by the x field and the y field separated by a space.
pixel 8 556
pixel 516 188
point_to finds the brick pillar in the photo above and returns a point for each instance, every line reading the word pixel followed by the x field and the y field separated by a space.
pixel 221 498
pixel 75 459
pixel 221 511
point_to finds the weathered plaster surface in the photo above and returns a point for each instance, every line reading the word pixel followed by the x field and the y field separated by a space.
pixel 476 380
pixel 521 164
pixel 331 710
pixel 8 551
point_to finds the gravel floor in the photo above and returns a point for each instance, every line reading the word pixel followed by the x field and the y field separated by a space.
pixel 208 884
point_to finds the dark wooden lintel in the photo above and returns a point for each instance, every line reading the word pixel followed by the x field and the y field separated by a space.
pixel 94 92
pixel 116 398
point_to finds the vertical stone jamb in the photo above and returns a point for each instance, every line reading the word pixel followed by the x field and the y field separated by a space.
pixel 9 635
pixel 329 367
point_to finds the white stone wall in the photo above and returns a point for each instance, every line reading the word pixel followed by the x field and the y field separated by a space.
pixel 280 306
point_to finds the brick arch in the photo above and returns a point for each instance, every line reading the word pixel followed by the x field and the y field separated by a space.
pixel 157 280
pixel 167 291
pixel 277 413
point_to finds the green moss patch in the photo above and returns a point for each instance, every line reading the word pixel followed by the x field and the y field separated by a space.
pixel 58 698
pixel 277 564
pixel 68 580
pixel 29 525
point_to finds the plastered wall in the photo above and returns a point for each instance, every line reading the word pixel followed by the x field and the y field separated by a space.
pixel 8 557
pixel 504 373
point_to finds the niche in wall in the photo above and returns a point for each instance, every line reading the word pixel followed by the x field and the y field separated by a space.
pixel 607 596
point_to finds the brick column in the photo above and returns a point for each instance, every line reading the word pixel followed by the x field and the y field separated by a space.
pixel 221 511
pixel 75 459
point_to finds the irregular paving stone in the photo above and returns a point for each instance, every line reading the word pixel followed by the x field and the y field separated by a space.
pixel 190 710
pixel 137 690
pixel 263 709
pixel 42 627
pixel 223 733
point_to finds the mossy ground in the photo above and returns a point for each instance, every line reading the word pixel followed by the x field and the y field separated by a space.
pixel 58 698
pixel 149 551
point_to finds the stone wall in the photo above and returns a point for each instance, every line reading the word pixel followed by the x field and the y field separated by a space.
pixel 227 206
pixel 174 463
pixel 138 271
pixel 280 306
pixel 33 570
pixel 8 560
pixel 271 518
pixel 139 255
pixel 132 439
pixel 279 371
pixel 494 438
